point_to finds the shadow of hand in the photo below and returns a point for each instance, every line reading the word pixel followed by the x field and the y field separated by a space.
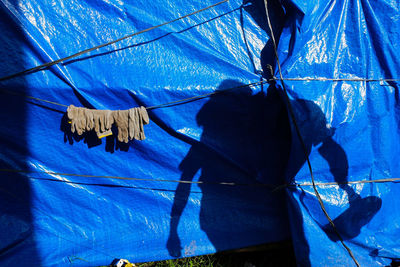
pixel 174 245
pixel 352 220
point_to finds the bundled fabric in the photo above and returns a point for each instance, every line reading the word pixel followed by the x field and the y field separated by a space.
pixel 128 122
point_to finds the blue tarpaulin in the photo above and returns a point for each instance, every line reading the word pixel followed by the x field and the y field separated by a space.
pixel 204 178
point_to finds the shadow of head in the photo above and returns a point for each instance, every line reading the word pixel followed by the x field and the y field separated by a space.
pixel 314 129
pixel 312 122
pixel 248 127
pixel 229 107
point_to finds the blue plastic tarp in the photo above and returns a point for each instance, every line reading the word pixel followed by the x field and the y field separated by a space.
pixel 350 40
pixel 69 199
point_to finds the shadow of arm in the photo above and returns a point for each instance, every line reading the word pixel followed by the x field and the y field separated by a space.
pixel 189 167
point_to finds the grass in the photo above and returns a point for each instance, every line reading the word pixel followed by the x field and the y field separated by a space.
pixel 279 254
pixel 206 261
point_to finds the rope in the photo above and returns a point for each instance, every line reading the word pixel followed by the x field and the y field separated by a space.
pixel 137 179
pixel 275 188
pixel 384 180
pixel 194 98
pixel 292 115
pixel 51 63
pixel 31 97
pixel 323 79
pixel 168 104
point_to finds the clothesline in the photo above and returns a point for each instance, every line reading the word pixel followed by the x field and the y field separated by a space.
pixel 323 79
pixel 197 97
pixel 273 187
pixel 168 104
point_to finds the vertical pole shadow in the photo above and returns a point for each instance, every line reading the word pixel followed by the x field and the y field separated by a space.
pixel 17 239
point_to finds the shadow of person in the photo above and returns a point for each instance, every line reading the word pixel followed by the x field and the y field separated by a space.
pixel 245 140
pixel 361 210
pixel 316 132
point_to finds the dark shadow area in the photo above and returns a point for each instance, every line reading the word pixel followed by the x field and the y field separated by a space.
pixel 395 263
pixel 359 214
pixel 252 135
pixel 90 138
pixel 275 254
pixel 315 131
pixel 270 255
pixel 245 139
pixel 17 233
pixel 257 11
pixel 361 210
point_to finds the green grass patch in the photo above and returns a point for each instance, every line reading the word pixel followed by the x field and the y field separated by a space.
pixel 272 255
